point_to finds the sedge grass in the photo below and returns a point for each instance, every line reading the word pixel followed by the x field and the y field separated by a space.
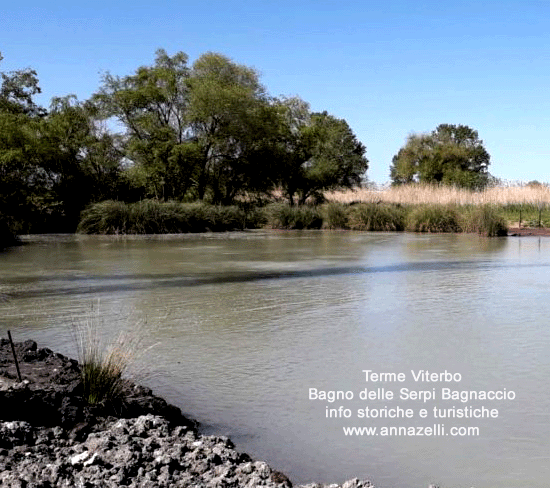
pixel 156 217
pixel 376 217
pixel 483 220
pixel 284 216
pixel 433 218
pixel 104 367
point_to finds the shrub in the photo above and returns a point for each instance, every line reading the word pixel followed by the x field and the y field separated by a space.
pixel 376 217
pixel 7 236
pixel 219 218
pixel 255 218
pixel 433 218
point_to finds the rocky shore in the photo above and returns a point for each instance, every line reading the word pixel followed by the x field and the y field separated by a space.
pixel 50 437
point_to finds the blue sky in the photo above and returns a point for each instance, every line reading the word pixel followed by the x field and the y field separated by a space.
pixel 388 67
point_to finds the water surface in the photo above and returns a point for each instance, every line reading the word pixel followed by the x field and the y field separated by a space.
pixel 244 324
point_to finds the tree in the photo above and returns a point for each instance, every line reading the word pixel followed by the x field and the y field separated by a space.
pixel 17 91
pixel 202 132
pixel 22 178
pixel 451 154
pixel 235 126
pixel 51 163
pixel 322 152
pixel 211 132
pixel 80 156
pixel 152 105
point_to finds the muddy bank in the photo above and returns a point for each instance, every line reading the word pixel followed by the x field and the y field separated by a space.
pixel 527 231
pixel 50 437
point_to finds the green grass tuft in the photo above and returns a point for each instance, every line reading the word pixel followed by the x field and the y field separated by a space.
pixel 336 215
pixel 283 216
pixel 483 220
pixel 103 368
pixel 155 217
pixel 433 218
pixel 376 217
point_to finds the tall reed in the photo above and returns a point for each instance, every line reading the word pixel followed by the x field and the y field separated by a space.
pixel 443 194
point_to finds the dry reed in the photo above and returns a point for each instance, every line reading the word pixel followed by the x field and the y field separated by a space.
pixel 445 195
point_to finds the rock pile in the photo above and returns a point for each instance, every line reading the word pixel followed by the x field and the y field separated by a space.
pixel 49 437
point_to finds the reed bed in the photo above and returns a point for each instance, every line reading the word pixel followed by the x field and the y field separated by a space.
pixel 416 194
pixel 417 208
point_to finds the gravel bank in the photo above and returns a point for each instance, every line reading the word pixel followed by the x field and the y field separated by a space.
pixel 49 436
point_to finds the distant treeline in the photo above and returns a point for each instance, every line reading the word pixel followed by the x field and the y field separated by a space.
pixel 204 132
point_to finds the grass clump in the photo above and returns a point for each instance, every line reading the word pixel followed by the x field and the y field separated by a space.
pixel 103 368
pixel 102 376
pixel 483 220
pixel 527 214
pixel 376 217
pixel 155 217
pixel 283 216
pixel 107 217
pixel 433 218
pixel 336 215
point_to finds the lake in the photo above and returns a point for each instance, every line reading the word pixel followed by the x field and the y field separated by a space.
pixel 255 333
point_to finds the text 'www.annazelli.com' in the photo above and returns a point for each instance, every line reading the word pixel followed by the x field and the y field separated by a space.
pixel 437 430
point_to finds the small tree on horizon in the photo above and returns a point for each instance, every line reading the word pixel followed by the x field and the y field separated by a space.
pixel 451 154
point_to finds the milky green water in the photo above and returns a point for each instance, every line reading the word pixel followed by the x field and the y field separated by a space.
pixel 245 324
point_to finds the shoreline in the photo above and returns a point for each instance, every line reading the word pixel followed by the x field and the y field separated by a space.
pixel 529 231
pixel 50 437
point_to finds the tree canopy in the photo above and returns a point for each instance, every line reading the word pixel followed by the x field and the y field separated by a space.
pixel 210 131
pixel 206 131
pixel 451 154
pixel 321 153
pixel 52 163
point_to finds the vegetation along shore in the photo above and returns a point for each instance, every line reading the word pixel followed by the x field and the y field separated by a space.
pixel 417 208
pixel 188 147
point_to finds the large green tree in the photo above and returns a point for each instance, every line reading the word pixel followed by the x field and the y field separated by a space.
pixel 79 154
pixel 321 152
pixel 200 132
pixel 52 163
pixel 152 106
pixel 235 126
pixel 22 179
pixel 451 154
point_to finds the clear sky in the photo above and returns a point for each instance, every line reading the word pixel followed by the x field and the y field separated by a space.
pixel 388 67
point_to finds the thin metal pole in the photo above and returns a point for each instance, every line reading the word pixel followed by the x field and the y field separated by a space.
pixel 15 357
